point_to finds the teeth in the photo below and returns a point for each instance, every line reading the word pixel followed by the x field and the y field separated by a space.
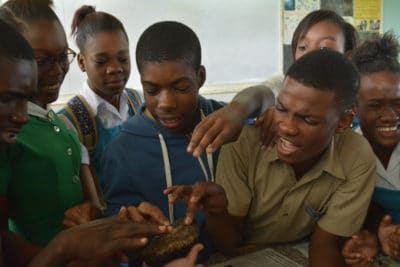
pixel 52 87
pixel 287 143
pixel 387 129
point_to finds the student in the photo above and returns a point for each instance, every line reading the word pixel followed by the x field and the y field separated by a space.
pixel 42 191
pixel 319 29
pixel 104 103
pixel 378 109
pixel 18 78
pixel 149 154
pixel 310 183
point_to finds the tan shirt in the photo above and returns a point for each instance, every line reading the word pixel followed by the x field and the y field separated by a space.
pixel 335 193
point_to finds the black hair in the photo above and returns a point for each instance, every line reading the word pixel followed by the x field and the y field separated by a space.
pixel 13 45
pixel 87 22
pixel 168 41
pixel 328 70
pixel 378 54
pixel 8 16
pixel 32 10
pixel 349 32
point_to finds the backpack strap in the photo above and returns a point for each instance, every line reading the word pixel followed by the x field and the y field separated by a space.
pixel 134 100
pixel 84 120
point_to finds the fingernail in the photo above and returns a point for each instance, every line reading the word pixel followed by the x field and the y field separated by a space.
pixel 166 223
pixel 122 207
pixel 143 240
pixel 162 227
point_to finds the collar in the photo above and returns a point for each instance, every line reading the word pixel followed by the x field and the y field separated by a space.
pixel 38 111
pixel 329 162
pixel 96 102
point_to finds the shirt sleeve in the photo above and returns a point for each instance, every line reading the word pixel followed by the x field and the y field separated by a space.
pixel 348 206
pixel 274 83
pixel 233 177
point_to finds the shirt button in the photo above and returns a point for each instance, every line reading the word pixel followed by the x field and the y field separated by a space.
pixel 75 179
pixel 69 151
pixel 56 129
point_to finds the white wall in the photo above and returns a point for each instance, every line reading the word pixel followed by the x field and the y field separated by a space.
pixel 240 39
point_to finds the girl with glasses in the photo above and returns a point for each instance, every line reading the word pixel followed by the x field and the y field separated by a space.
pixel 43 189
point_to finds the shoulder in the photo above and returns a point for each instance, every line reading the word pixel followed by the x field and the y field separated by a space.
pixel 350 145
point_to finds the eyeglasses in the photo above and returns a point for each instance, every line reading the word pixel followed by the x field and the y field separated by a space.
pixel 47 62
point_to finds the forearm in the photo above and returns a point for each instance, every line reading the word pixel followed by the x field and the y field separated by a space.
pixel 18 251
pixel 325 254
pixel 59 252
pixel 225 231
pixel 254 100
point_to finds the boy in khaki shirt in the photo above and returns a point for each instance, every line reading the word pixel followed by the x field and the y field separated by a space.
pixel 316 181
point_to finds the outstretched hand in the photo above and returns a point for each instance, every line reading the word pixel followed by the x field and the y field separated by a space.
pixel 360 250
pixel 218 128
pixel 202 196
pixel 389 237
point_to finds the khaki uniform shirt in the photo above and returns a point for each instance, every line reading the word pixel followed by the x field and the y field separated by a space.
pixel 335 192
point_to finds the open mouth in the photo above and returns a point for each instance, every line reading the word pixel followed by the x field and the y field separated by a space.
pixel 388 131
pixel 169 123
pixel 286 147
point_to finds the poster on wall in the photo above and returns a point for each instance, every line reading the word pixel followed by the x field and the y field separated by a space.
pixel 368 15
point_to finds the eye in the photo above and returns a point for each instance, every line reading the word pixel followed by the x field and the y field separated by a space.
pixel 302 47
pixel 123 59
pixel 310 121
pixel 279 108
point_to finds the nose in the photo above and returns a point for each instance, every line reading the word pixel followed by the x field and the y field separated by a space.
pixel 288 126
pixel 113 68
pixel 166 100
pixel 389 114
pixel 19 114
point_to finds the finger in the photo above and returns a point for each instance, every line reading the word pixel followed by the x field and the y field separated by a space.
pixel 69 223
pixel 153 212
pixel 192 256
pixel 170 189
pixel 223 137
pixel 130 246
pixel 122 214
pixel 199 131
pixel 208 138
pixel 180 192
pixel 198 192
pixel 386 221
pixel 134 214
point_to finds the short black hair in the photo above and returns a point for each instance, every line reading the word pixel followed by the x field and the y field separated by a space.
pixel 32 10
pixel 378 54
pixel 314 17
pixel 328 70
pixel 87 22
pixel 168 41
pixel 13 45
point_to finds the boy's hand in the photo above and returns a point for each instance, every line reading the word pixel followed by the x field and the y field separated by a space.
pixel 80 214
pixel 147 212
pixel 189 260
pixel 202 196
pixel 268 131
pixel 360 250
pixel 389 236
pixel 218 128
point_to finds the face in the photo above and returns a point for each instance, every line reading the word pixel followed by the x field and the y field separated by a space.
pixel 18 80
pixel 48 41
pixel 171 92
pixel 107 63
pixel 378 108
pixel 323 34
pixel 306 120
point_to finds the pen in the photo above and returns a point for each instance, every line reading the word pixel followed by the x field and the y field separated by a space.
pixel 250 120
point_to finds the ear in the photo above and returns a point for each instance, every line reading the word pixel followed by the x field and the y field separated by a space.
pixel 345 121
pixel 81 62
pixel 201 75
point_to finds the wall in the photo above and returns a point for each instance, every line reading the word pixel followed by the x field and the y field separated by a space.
pixel 391 11
pixel 240 40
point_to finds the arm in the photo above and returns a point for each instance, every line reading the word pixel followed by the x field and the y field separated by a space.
pixel 225 231
pixel 225 124
pixel 17 251
pixel 88 186
pixel 324 249
pixel 100 240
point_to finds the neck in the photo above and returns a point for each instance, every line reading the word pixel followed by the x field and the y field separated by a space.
pixel 39 103
pixel 383 154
